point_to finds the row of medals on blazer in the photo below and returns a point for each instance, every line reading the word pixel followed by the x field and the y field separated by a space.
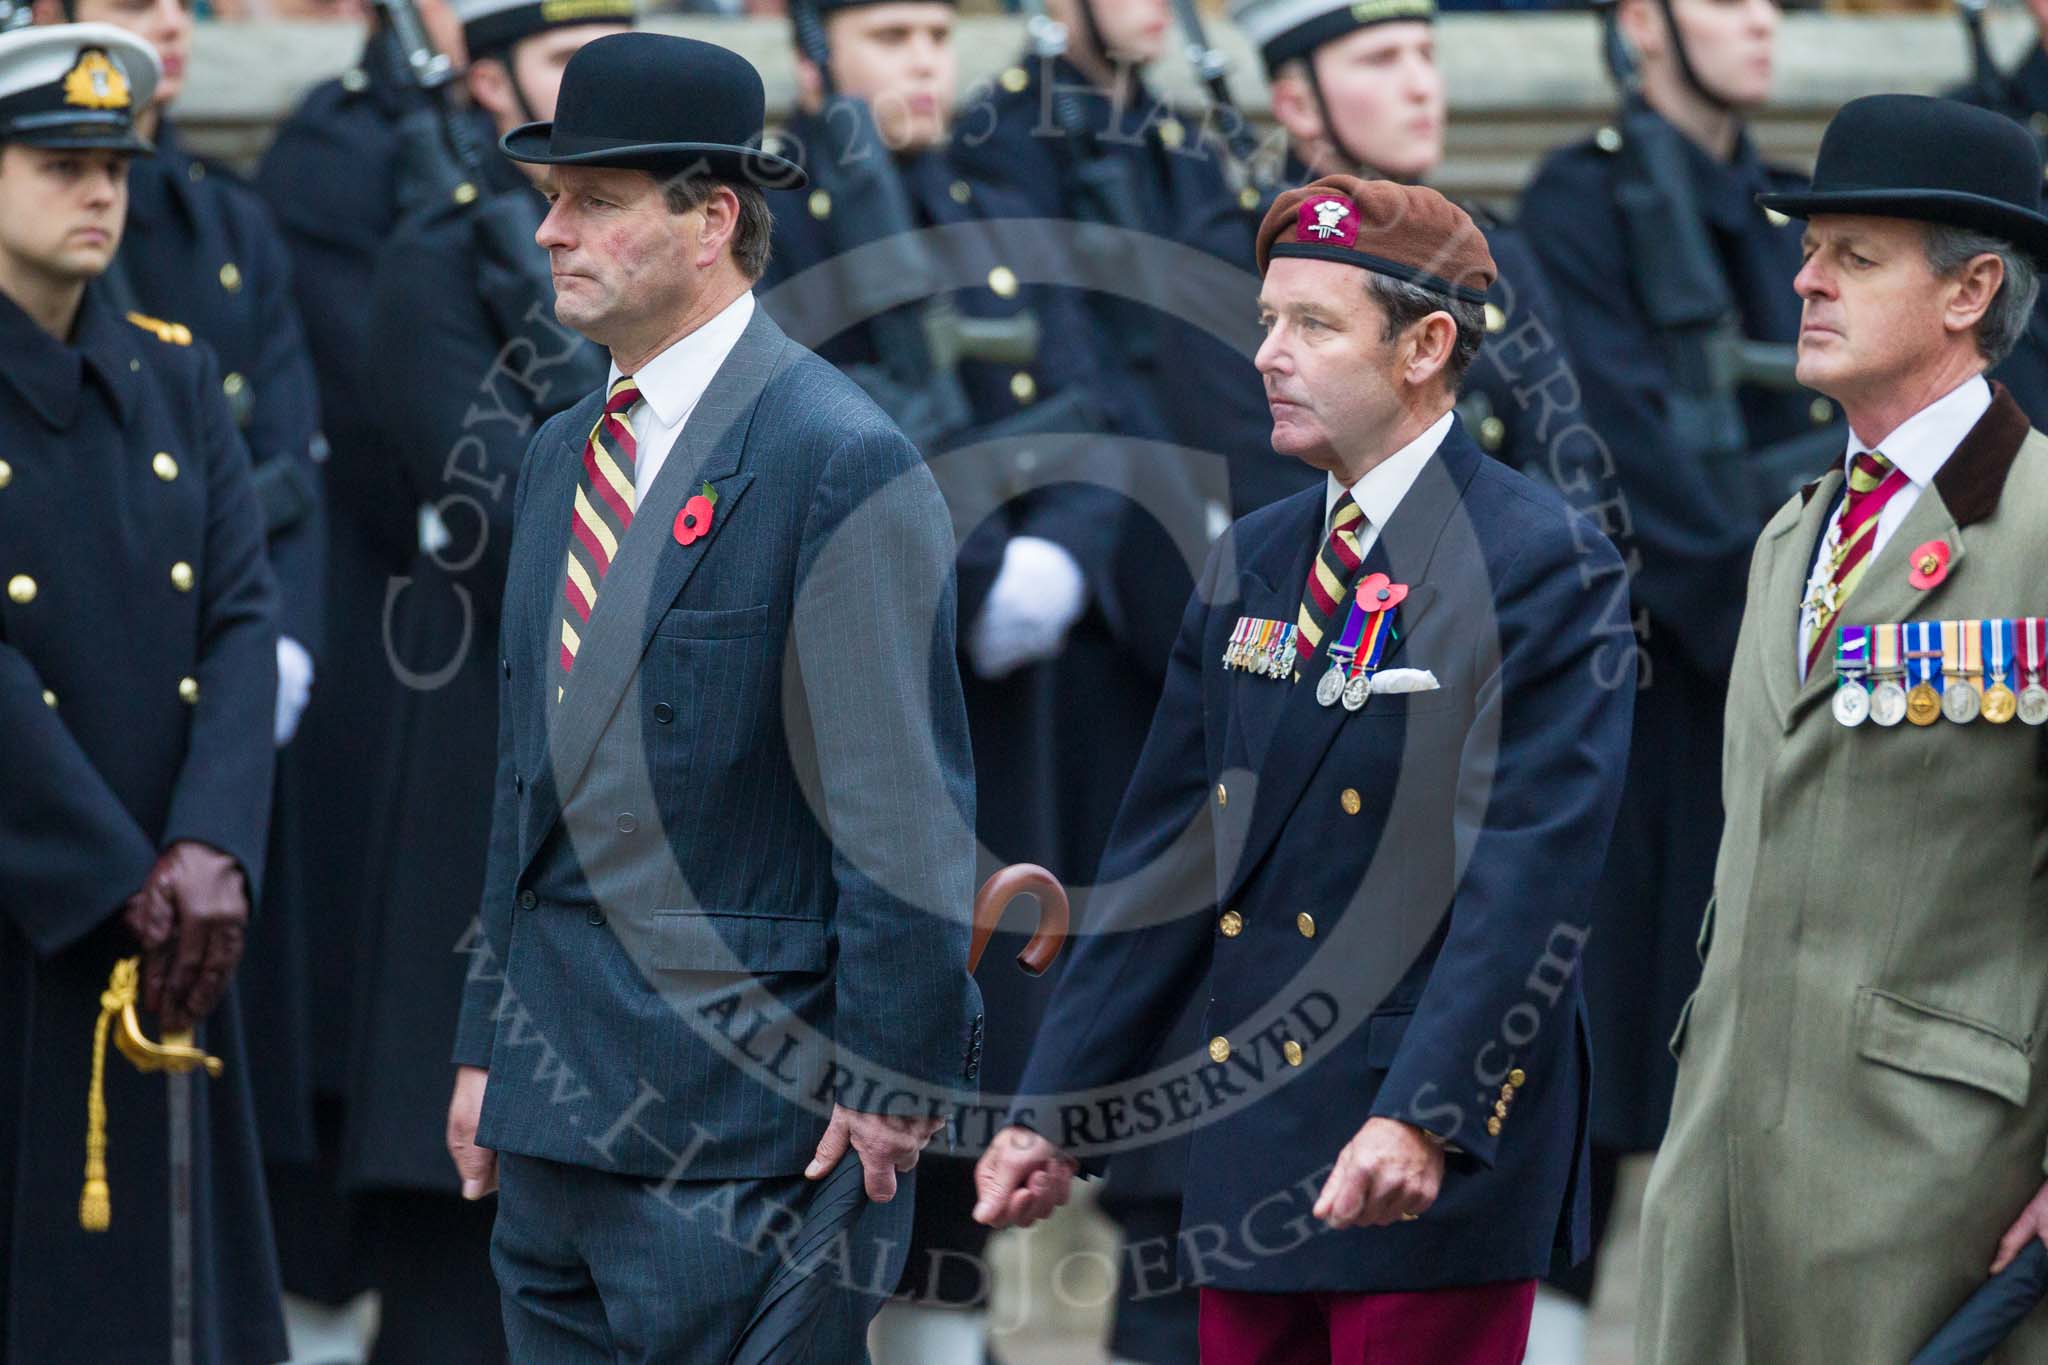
pixel 1271 649
pixel 1874 665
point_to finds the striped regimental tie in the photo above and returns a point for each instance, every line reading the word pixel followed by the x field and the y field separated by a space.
pixel 1873 482
pixel 1339 560
pixel 604 509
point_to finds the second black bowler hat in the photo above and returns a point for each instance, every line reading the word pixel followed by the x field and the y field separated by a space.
pixel 1931 160
pixel 657 103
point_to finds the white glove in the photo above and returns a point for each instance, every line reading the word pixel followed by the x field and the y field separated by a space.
pixel 294 687
pixel 1038 595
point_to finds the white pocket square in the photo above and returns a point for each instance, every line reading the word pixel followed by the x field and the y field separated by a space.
pixel 1405 680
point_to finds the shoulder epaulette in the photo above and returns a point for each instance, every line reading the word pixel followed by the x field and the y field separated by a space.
pixel 171 333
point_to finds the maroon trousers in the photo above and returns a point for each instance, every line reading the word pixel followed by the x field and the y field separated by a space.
pixel 1481 1324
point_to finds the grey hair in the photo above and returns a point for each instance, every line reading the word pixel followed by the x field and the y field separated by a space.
pixel 751 235
pixel 1949 249
pixel 1407 304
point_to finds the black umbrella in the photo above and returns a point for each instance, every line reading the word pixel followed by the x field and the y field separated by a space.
pixel 787 1317
pixel 1988 1316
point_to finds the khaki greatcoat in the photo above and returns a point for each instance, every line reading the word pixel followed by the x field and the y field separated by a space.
pixel 1859 1113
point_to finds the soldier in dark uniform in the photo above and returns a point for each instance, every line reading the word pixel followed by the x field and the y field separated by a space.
pixel 138 676
pixel 200 247
pixel 1083 137
pixel 1357 90
pixel 1682 519
pixel 466 353
pixel 1044 659
pixel 2022 95
pixel 332 179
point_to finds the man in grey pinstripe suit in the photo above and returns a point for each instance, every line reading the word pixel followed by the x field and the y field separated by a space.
pixel 723 933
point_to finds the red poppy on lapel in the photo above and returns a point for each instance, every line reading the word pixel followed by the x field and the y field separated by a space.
pixel 695 518
pixel 1930 564
pixel 1377 592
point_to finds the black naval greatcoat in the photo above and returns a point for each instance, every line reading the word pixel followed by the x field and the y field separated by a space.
pixel 468 366
pixel 1688 552
pixel 201 250
pixel 138 675
pixel 331 179
pixel 1195 372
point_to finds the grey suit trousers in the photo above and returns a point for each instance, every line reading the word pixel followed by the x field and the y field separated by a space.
pixel 602 1267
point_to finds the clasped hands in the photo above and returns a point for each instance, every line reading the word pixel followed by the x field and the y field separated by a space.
pixel 190 918
pixel 1389 1172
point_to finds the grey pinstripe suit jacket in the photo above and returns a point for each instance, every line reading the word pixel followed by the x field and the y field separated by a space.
pixel 730 867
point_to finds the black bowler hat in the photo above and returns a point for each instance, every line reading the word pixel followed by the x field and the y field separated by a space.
pixel 1934 161
pixel 656 103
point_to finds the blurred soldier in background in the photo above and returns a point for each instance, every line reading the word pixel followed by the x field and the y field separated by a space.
pixel 2020 94
pixel 1006 389
pixel 467 359
pixel 138 679
pixel 201 249
pixel 1663 266
pixel 332 177
pixel 1357 90
pixel 1074 127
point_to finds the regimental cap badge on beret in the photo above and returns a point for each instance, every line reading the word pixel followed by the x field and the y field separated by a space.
pixel 96 83
pixel 1406 232
pixel 1328 218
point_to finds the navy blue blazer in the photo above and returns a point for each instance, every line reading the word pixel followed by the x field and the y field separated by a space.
pixel 730 870
pixel 1385 908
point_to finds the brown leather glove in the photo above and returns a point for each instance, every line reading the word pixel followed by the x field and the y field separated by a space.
pixel 147 913
pixel 208 898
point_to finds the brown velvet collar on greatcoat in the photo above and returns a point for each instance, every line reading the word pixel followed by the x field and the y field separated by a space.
pixel 1971 480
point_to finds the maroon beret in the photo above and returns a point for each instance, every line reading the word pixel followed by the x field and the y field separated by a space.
pixel 1407 232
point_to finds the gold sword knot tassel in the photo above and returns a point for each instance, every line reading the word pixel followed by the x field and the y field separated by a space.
pixel 176 1053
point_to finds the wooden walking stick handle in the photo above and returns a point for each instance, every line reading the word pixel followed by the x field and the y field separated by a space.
pixel 1004 886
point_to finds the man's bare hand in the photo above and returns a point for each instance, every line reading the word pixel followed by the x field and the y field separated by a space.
pixel 2032 1223
pixel 1388 1172
pixel 478 1166
pixel 886 1144
pixel 1020 1179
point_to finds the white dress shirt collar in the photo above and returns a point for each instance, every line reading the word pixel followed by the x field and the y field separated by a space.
pixel 1923 442
pixel 672 383
pixel 1380 490
pixel 674 380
